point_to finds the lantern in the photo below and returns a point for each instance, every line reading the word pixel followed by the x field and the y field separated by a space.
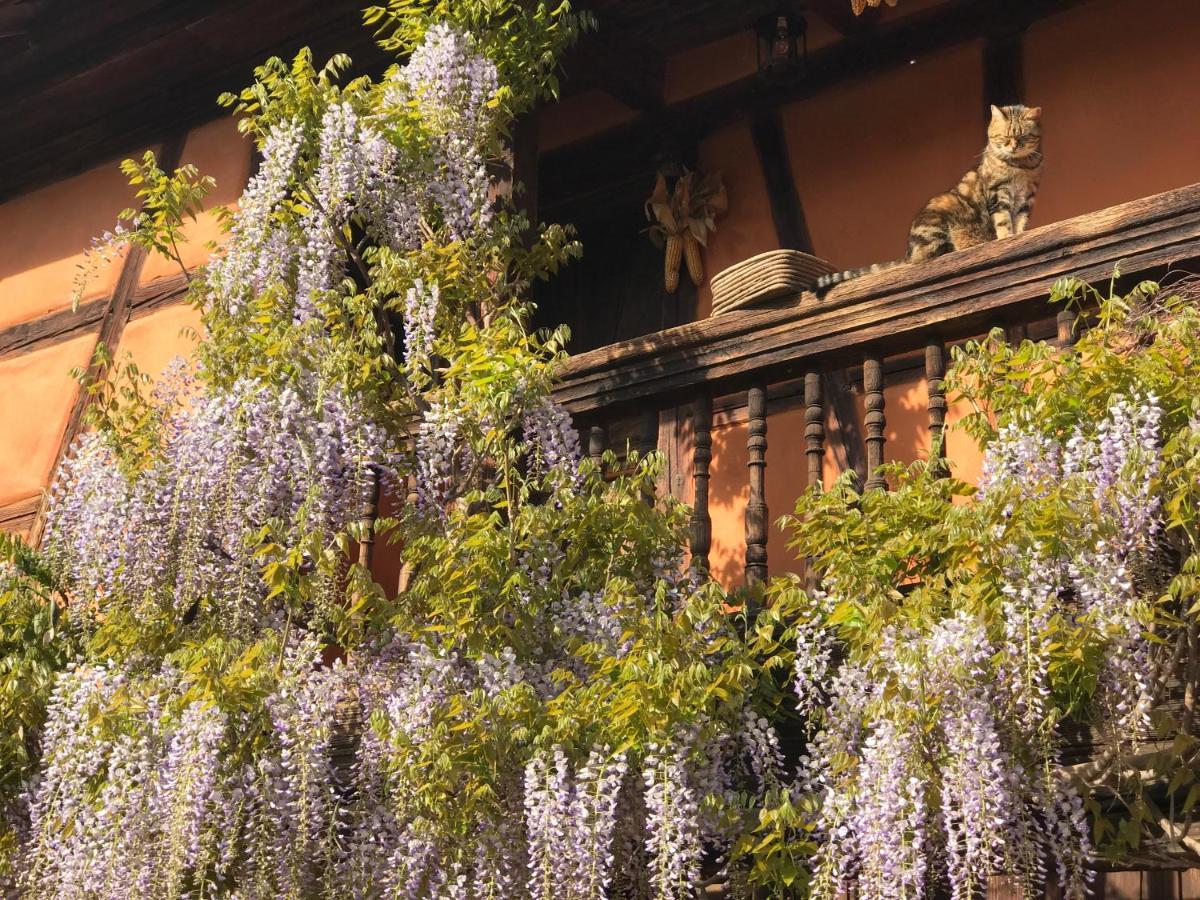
pixel 782 43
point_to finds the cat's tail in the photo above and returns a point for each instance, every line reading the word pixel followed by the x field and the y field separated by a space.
pixel 825 282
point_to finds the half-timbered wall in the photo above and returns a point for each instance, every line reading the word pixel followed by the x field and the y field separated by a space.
pixel 41 339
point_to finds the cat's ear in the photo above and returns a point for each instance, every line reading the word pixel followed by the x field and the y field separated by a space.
pixel 998 114
pixel 1034 114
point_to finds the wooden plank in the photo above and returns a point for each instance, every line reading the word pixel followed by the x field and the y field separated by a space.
pixel 787 211
pixel 1119 885
pixel 52 329
pixel 17 517
pixel 1162 884
pixel 112 325
pixel 1189 884
pixel 895 308
pixel 671 425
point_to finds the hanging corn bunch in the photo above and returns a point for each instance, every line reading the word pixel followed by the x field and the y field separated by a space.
pixel 859 5
pixel 682 219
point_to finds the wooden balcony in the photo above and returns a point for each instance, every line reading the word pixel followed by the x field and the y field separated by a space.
pixel 800 346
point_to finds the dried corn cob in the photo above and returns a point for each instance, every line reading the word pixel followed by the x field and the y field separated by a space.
pixel 671 262
pixel 691 252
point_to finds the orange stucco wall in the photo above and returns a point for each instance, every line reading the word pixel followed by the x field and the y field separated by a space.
pixel 1117 83
pixel 866 156
pixel 45 233
pixel 155 340
pixel 35 400
pixel 746 228
pixel 216 149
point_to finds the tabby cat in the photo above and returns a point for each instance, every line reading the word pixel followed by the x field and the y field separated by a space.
pixel 991 201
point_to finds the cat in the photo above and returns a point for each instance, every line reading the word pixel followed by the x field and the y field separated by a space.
pixel 991 201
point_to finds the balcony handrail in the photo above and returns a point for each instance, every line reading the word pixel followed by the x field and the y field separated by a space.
pixel 891 310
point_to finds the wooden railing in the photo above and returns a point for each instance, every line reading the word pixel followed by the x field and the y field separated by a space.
pixel 865 322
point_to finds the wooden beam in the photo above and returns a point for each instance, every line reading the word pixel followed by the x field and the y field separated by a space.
pixel 128 96
pixel 954 295
pixel 590 167
pixel 1003 70
pixel 525 165
pixel 787 211
pixel 55 328
pixel 632 74
pixel 18 516
pixel 112 325
pixel 65 325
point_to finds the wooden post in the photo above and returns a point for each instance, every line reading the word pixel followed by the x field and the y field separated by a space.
pixel 1066 327
pixel 648 424
pixel 1003 69
pixel 597 444
pixel 935 374
pixel 701 457
pixel 370 511
pixel 756 506
pixel 648 430
pixel 874 420
pixel 787 212
pixel 406 569
pixel 814 426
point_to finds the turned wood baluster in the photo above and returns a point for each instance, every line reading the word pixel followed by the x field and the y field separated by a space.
pixel 701 457
pixel 648 430
pixel 1066 327
pixel 874 420
pixel 935 375
pixel 410 500
pixel 597 444
pixel 756 506
pixel 648 438
pixel 814 426
pixel 370 510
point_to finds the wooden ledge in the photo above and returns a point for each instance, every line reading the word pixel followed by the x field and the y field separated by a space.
pixel 889 311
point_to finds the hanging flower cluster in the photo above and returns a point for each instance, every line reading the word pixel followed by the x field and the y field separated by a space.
pixel 145 829
pixel 453 86
pixel 955 771
pixel 551 439
pixel 1108 476
pixel 234 468
pixel 361 178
